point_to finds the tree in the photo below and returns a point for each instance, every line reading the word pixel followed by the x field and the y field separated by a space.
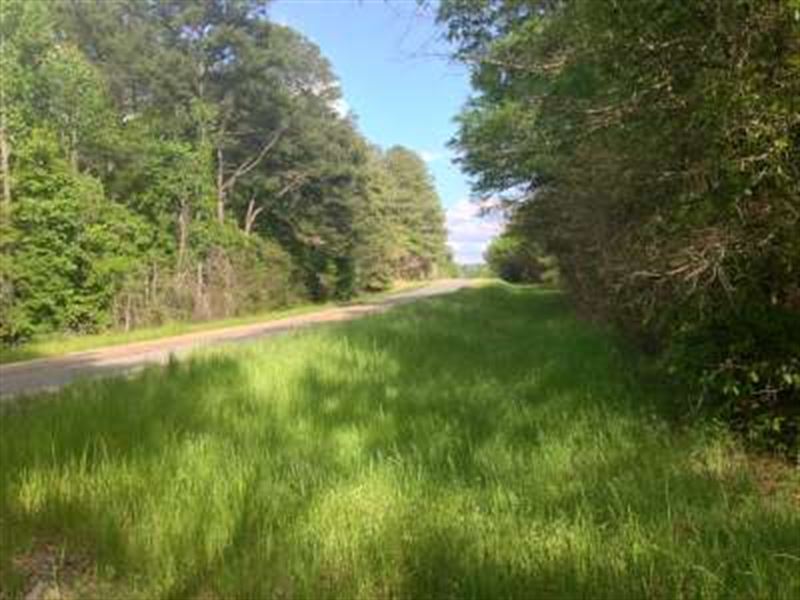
pixel 415 215
pixel 653 148
pixel 71 248
pixel 516 259
pixel 25 33
pixel 77 105
pixel 173 159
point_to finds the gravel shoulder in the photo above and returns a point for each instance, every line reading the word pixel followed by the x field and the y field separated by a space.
pixel 22 378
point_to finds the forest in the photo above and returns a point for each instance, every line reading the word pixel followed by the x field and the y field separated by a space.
pixel 652 148
pixel 171 160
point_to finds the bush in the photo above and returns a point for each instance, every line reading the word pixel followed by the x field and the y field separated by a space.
pixel 228 275
pixel 746 368
pixel 71 248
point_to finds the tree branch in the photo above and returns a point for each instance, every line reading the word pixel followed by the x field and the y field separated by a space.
pixel 253 162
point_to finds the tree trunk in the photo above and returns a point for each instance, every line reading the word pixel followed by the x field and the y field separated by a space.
pixel 5 153
pixel 200 300
pixel 251 216
pixel 183 232
pixel 73 150
pixel 147 287
pixel 128 313
pixel 221 185
pixel 227 185
pixel 253 212
pixel 155 281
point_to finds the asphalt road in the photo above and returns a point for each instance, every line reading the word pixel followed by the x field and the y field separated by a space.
pixel 22 378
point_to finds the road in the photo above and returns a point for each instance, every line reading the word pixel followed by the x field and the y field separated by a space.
pixel 26 377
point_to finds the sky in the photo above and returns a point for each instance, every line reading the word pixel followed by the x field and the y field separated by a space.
pixel 398 81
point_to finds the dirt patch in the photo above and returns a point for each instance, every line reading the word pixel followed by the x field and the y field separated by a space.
pixel 51 572
pixel 776 477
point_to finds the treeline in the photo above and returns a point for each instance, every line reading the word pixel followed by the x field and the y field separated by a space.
pixel 177 159
pixel 520 259
pixel 653 147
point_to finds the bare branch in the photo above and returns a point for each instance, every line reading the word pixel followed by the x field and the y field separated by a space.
pixel 253 162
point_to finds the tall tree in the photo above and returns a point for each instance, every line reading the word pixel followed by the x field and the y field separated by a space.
pixel 173 159
pixel 416 214
pixel 26 32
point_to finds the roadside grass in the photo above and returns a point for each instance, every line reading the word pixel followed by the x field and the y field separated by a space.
pixel 480 445
pixel 54 345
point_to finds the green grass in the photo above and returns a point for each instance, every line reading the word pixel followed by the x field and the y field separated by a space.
pixel 480 445
pixel 60 344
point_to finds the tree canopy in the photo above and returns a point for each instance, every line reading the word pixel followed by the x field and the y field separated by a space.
pixel 171 160
pixel 653 147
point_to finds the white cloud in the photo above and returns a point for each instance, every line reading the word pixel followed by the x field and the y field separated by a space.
pixel 341 107
pixel 469 233
pixel 281 20
pixel 431 155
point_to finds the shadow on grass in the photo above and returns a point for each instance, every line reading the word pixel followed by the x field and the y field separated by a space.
pixel 133 422
pixel 480 445
pixel 474 397
pixel 461 381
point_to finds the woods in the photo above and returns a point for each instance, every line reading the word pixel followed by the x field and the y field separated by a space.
pixel 653 147
pixel 180 160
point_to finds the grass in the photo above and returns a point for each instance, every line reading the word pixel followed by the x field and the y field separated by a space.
pixel 54 345
pixel 480 445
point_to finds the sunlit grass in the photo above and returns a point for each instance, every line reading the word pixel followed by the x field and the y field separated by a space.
pixel 483 445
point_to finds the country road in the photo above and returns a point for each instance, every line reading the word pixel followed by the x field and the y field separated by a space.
pixel 26 377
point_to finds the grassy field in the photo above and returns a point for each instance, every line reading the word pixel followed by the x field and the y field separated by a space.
pixel 60 344
pixel 481 445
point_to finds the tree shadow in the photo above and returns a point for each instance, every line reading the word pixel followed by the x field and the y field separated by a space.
pixel 470 388
pixel 133 422
pixel 437 387
pixel 443 428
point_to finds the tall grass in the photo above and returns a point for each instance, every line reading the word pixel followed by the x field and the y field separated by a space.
pixel 482 445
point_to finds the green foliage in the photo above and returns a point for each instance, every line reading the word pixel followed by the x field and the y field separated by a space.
pixel 69 248
pixel 519 260
pixel 185 160
pixel 474 271
pixel 482 445
pixel 653 148
pixel 748 365
pixel 376 230
pixel 415 216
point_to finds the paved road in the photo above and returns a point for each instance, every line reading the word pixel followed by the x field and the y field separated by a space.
pixel 51 373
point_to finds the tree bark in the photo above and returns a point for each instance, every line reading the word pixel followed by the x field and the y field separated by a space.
pixel 225 185
pixel 73 150
pixel 183 232
pixel 222 188
pixel 128 313
pixel 253 211
pixel 200 301
pixel 154 287
pixel 251 216
pixel 5 152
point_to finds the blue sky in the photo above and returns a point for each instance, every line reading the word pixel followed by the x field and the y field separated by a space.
pixel 397 80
